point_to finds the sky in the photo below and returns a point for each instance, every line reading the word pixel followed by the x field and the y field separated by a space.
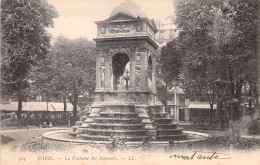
pixel 77 17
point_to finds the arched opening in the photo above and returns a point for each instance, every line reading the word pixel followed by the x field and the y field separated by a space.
pixel 121 71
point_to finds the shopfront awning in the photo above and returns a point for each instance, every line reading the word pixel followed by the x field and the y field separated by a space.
pixel 37 107
pixel 201 106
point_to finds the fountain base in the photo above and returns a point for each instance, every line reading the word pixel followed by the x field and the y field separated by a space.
pixel 129 122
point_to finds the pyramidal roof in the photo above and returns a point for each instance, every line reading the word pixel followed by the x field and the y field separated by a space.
pixel 129 8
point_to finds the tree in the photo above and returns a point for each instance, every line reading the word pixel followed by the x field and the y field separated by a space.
pixel 46 81
pixel 194 21
pixel 69 70
pixel 235 33
pixel 24 42
pixel 169 69
pixel 219 39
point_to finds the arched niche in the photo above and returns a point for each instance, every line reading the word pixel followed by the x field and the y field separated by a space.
pixel 121 71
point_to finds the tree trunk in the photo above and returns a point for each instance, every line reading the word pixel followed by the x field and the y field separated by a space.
pixel 75 106
pixel 220 115
pixel 231 134
pixel 20 104
pixel 251 110
pixel 166 96
pixel 211 113
pixel 256 95
pixel 234 129
pixel 64 107
pixel 257 105
pixel 211 103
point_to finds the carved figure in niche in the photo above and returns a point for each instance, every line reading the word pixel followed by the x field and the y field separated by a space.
pixel 124 78
pixel 137 76
pixel 102 76
pixel 120 65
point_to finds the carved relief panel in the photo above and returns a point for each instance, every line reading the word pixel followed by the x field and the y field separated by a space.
pixel 150 32
pixel 119 28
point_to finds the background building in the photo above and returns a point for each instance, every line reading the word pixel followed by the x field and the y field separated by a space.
pixel 188 111
pixel 166 31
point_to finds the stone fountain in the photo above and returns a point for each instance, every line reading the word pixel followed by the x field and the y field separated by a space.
pixel 125 95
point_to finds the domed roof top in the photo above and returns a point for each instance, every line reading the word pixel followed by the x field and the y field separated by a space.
pixel 130 8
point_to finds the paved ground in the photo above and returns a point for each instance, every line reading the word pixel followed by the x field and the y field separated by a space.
pixel 21 136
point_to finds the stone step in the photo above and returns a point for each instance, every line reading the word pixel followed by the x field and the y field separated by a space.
pixel 109 132
pixel 166 126
pixel 118 120
pixel 161 118
pixel 176 129
pixel 154 111
pixel 116 126
pixel 114 131
pixel 158 113
pixel 106 138
pixel 116 114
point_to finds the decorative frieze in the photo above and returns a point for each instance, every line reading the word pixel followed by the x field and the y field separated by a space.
pixel 120 28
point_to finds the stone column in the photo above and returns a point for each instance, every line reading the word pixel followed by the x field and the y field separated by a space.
pixel 187 115
pixel 132 72
pixel 107 76
pixel 143 71
pixel 98 83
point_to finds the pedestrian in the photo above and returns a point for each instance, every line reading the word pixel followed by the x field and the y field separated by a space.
pixel 50 125
pixel 27 121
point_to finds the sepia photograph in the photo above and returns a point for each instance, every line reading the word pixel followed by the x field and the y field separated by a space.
pixel 130 82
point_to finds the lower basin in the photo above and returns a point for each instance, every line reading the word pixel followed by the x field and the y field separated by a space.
pixel 63 136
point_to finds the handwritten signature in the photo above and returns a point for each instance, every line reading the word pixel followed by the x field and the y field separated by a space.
pixel 202 155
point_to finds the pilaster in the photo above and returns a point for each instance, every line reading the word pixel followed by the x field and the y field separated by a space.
pixel 98 83
pixel 143 71
pixel 132 72
pixel 107 76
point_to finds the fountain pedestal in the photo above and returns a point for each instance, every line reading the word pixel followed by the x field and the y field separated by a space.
pixel 132 122
pixel 125 95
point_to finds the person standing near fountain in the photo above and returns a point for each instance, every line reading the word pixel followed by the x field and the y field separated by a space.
pixel 102 71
